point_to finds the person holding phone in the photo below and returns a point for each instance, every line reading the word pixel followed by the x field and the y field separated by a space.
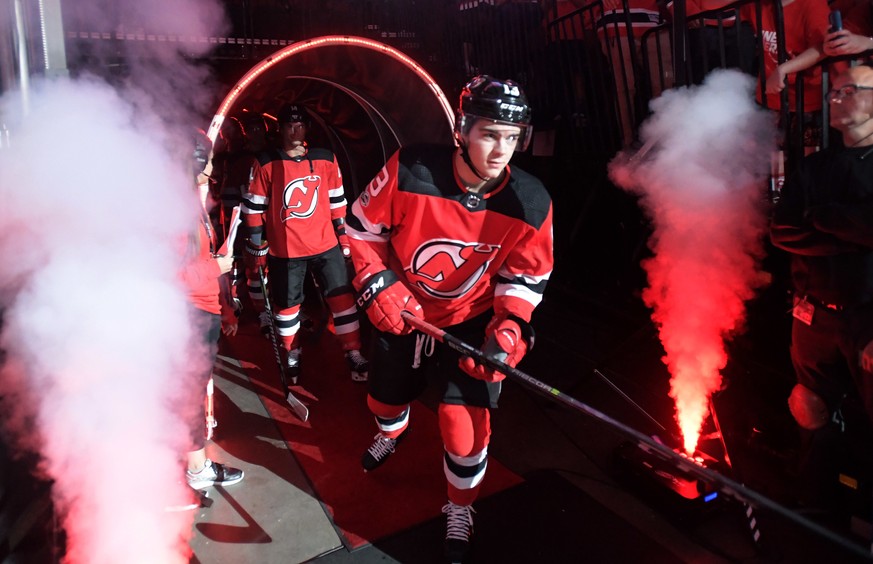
pixel 852 35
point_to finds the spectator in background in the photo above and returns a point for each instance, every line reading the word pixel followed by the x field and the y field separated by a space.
pixel 805 23
pixel 824 220
pixel 294 210
pixel 635 81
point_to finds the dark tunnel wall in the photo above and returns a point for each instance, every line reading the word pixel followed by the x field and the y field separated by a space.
pixel 365 99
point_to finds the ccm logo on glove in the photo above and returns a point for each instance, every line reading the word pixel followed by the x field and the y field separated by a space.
pixel 383 297
pixel 375 285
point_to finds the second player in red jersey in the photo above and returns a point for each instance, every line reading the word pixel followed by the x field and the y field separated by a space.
pixel 294 210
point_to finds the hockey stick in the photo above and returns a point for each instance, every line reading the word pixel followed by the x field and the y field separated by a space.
pixel 723 484
pixel 300 410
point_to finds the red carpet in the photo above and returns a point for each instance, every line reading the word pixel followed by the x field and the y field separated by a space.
pixel 407 490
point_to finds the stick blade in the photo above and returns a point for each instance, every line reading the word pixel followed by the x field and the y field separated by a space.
pixel 297 407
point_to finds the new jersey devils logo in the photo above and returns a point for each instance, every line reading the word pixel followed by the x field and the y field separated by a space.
pixel 300 197
pixel 449 269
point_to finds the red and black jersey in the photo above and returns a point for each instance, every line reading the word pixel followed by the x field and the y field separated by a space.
pixel 295 200
pixel 460 253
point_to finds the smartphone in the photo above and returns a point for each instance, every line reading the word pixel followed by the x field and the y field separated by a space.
pixel 836 21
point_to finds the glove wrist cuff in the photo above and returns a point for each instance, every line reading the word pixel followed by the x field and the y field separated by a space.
pixel 527 330
pixel 373 285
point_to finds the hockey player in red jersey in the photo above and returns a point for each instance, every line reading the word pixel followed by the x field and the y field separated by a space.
pixel 457 237
pixel 294 210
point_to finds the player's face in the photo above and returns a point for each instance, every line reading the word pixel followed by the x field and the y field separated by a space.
pixel 490 146
pixel 292 134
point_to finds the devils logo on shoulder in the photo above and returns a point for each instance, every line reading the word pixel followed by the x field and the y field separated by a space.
pixel 300 197
pixel 449 269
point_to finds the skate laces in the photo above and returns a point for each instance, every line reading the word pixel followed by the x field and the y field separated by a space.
pixel 264 319
pixel 459 524
pixel 382 447
pixel 293 358
pixel 355 358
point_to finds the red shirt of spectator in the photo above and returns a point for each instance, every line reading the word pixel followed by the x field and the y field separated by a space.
pixel 806 23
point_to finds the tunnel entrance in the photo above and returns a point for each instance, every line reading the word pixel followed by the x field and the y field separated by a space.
pixel 365 100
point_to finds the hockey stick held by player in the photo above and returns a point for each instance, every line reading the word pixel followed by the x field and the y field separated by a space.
pixel 297 407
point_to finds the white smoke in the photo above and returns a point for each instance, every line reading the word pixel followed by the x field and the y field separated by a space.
pixel 98 206
pixel 701 178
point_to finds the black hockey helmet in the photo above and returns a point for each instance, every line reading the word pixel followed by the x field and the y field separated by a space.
pixel 501 101
pixel 202 148
pixel 292 113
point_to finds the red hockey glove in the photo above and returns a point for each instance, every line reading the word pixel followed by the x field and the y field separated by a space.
pixel 508 340
pixel 345 245
pixel 256 256
pixel 383 296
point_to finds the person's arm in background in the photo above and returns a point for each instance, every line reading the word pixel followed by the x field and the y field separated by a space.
pixel 776 82
pixel 844 42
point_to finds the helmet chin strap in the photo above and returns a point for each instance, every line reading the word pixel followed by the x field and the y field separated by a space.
pixel 466 156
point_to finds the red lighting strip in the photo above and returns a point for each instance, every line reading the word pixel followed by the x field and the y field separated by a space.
pixel 301 46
